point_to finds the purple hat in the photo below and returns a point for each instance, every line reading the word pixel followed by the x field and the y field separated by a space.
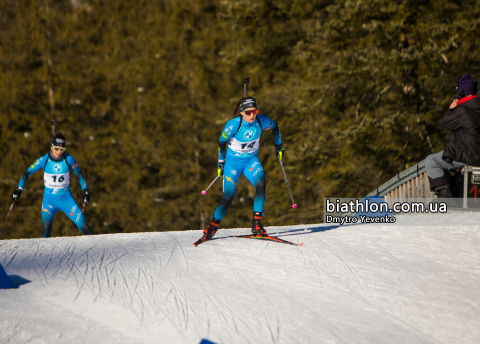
pixel 466 84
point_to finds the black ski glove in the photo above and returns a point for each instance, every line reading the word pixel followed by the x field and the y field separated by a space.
pixel 16 194
pixel 220 168
pixel 85 196
pixel 280 151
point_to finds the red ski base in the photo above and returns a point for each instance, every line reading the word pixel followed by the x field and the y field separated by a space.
pixel 251 236
pixel 267 238
pixel 199 241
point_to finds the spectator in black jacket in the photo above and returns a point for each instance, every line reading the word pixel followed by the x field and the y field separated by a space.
pixel 463 145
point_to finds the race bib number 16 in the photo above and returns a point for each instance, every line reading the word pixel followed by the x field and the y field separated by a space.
pixel 56 181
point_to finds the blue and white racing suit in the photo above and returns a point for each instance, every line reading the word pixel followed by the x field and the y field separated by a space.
pixel 243 141
pixel 57 195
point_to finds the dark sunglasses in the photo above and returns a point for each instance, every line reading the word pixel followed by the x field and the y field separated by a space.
pixel 251 112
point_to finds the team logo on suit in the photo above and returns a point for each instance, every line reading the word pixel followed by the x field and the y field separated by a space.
pixel 57 168
pixel 248 134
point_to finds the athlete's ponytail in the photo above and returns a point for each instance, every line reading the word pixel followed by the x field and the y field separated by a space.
pixel 237 110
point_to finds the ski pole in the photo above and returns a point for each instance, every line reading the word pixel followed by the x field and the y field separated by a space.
pixel 1 231
pixel 288 186
pixel 204 192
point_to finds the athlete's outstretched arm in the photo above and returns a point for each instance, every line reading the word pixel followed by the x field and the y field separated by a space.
pixel 270 124
pixel 37 165
pixel 276 133
pixel 75 168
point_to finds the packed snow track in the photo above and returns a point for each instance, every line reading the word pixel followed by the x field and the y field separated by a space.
pixel 349 284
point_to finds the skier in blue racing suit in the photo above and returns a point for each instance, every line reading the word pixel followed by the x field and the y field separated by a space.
pixel 242 135
pixel 56 166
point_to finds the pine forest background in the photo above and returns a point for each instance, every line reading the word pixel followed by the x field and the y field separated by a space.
pixel 142 89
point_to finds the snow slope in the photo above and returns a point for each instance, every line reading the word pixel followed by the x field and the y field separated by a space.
pixel 350 284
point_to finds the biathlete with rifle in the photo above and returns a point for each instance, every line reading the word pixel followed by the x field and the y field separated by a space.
pixel 242 135
pixel 56 166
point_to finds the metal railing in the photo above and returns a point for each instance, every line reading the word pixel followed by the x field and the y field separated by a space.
pixel 411 183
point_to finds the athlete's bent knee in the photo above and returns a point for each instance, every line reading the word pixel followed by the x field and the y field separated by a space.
pixel 226 200
pixel 260 186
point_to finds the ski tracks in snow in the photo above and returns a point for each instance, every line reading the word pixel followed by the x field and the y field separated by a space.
pixel 259 301
pixel 349 284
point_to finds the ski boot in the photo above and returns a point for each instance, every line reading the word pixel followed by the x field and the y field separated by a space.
pixel 257 228
pixel 209 232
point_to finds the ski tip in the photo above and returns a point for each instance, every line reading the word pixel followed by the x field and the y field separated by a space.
pixel 198 242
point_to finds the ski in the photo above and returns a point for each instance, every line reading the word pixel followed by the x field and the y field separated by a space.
pixel 250 236
pixel 267 238
pixel 200 241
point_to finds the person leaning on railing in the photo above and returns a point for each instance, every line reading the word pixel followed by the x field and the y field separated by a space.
pixel 463 145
